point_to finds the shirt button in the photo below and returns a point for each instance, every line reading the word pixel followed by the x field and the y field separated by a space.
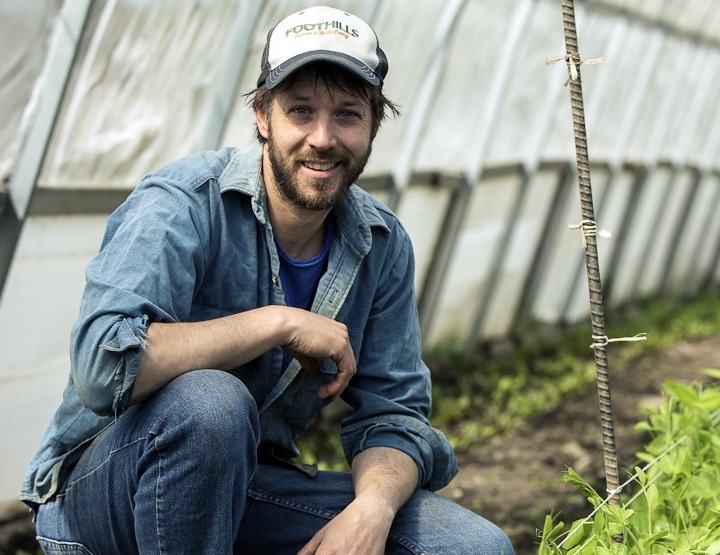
pixel 274 279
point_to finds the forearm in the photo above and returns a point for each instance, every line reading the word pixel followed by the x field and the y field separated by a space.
pixel 224 343
pixel 387 477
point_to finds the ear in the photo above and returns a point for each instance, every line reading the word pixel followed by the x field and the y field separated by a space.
pixel 261 119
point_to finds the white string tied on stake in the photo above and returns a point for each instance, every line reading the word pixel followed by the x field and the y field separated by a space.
pixel 602 340
pixel 572 66
pixel 589 228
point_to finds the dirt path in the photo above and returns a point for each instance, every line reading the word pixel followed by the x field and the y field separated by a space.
pixel 516 479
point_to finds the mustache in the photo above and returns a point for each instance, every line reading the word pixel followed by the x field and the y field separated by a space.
pixel 335 155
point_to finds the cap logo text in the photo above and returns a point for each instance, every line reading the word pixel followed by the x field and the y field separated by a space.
pixel 322 27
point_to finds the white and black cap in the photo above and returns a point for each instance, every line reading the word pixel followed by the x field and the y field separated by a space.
pixel 322 34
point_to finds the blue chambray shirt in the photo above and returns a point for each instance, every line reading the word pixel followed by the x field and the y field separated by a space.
pixel 194 242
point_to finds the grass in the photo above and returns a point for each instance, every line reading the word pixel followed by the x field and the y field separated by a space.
pixel 477 396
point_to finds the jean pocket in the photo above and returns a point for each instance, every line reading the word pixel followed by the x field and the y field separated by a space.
pixel 58 547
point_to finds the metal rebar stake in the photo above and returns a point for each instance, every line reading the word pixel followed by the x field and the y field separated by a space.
pixel 591 257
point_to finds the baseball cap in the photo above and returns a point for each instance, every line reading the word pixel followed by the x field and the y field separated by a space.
pixel 322 34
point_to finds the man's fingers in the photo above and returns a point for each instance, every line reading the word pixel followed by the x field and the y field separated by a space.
pixel 331 390
pixel 318 337
pixel 346 370
pixel 311 546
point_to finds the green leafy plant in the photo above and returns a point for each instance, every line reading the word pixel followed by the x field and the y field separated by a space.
pixel 676 504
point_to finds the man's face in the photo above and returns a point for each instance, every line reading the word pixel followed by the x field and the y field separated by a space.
pixel 318 142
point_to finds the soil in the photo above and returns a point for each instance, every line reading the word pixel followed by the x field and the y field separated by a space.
pixel 516 479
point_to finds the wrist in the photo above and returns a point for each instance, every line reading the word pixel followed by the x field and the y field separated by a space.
pixel 376 505
pixel 280 323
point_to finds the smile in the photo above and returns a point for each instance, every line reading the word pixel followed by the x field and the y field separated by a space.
pixel 320 166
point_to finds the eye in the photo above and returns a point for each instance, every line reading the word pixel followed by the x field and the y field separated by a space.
pixel 300 111
pixel 348 115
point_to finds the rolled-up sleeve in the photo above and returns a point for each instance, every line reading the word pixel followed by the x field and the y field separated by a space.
pixel 108 392
pixel 145 272
pixel 427 446
pixel 391 392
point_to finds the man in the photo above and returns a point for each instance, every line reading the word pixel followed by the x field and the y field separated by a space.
pixel 234 296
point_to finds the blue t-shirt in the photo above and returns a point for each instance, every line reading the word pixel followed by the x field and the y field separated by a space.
pixel 300 278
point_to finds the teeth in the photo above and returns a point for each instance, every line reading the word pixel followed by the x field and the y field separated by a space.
pixel 319 166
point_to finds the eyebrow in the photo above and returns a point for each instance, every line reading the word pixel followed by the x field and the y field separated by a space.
pixel 350 102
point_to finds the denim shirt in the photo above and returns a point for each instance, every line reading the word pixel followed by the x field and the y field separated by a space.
pixel 193 242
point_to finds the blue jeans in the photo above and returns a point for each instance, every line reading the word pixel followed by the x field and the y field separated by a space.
pixel 179 474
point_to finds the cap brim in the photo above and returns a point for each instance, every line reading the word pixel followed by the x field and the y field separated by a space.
pixel 277 75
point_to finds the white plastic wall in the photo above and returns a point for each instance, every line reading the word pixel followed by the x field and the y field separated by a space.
pixel 38 307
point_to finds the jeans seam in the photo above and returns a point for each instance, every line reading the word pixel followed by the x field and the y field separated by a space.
pixel 64 545
pixel 101 465
pixel 410 546
pixel 263 496
pixel 158 534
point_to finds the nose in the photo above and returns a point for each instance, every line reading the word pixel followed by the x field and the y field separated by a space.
pixel 322 136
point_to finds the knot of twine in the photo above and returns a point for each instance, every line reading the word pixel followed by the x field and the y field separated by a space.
pixel 572 65
pixel 589 228
pixel 602 340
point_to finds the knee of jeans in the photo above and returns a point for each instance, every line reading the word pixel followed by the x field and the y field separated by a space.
pixel 492 540
pixel 448 523
pixel 502 543
pixel 217 406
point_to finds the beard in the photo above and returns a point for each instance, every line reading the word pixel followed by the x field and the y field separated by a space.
pixel 325 194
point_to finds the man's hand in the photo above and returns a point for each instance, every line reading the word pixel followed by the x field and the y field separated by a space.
pixel 361 529
pixel 312 337
pixel 384 479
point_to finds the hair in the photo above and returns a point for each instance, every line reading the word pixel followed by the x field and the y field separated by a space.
pixel 330 76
